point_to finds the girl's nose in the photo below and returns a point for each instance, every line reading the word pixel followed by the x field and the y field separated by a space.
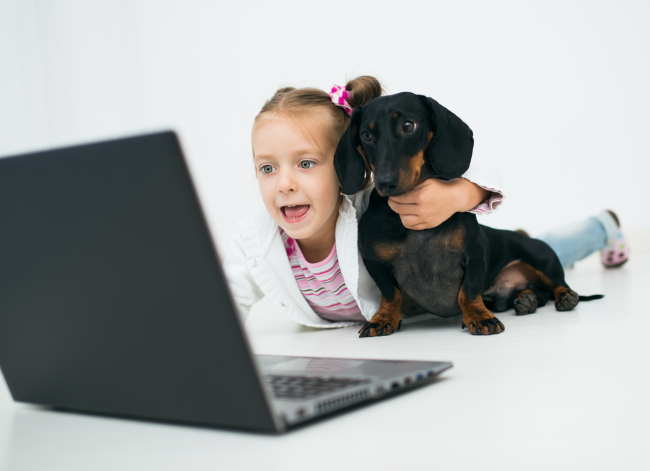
pixel 286 181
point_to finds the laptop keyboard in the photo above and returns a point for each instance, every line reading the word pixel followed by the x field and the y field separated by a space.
pixel 306 387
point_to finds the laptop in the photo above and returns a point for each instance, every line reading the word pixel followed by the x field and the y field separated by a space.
pixel 113 301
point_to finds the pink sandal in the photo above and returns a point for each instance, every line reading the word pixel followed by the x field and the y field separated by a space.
pixel 616 253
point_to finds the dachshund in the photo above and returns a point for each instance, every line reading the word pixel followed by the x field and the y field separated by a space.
pixel 457 268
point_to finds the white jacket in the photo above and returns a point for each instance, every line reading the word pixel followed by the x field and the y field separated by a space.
pixel 256 264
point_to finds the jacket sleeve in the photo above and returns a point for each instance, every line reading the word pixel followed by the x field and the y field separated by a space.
pixel 488 178
pixel 245 291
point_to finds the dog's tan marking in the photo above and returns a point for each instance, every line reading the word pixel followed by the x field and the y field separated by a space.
pixel 410 176
pixel 565 298
pixel 533 275
pixel 522 272
pixel 559 291
pixel 456 239
pixel 415 165
pixel 387 318
pixel 387 251
pixel 371 125
pixel 476 317
pixel 543 278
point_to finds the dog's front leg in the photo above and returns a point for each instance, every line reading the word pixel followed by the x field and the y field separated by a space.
pixel 388 319
pixel 478 319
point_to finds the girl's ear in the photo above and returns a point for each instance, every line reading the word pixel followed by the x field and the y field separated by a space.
pixel 450 150
pixel 348 163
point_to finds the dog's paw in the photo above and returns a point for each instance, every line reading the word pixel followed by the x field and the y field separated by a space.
pixel 566 300
pixel 376 329
pixel 525 303
pixel 488 326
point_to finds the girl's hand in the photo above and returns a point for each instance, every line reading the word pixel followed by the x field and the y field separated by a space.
pixel 434 201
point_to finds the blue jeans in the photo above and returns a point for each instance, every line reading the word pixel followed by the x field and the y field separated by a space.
pixel 579 240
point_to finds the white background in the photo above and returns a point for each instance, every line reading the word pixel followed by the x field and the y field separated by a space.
pixel 555 92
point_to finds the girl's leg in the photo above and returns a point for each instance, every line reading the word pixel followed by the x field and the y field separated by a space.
pixel 579 240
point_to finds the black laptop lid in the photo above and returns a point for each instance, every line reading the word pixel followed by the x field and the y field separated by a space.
pixel 112 298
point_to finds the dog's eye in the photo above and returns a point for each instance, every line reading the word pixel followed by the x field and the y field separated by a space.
pixel 366 136
pixel 408 127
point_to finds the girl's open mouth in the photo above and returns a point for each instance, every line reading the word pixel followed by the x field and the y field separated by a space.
pixel 295 213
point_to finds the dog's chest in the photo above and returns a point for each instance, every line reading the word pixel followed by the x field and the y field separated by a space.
pixel 430 269
pixel 427 265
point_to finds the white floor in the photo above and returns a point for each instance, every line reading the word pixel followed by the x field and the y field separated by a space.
pixel 554 391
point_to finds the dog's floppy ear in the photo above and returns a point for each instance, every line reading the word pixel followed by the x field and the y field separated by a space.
pixel 348 163
pixel 450 150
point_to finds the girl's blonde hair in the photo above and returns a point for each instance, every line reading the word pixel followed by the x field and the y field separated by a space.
pixel 290 100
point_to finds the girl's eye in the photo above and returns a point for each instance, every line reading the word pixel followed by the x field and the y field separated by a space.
pixel 266 169
pixel 408 127
pixel 307 163
pixel 366 136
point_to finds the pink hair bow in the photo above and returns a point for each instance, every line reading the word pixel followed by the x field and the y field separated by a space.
pixel 339 96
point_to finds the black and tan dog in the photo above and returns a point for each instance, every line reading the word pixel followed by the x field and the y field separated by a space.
pixel 459 267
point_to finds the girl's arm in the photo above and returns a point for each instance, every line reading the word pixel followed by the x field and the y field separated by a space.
pixel 434 201
pixel 244 290
pixel 489 179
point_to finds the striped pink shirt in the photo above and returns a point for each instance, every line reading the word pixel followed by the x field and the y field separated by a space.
pixel 322 284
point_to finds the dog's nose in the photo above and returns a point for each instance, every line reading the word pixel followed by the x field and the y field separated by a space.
pixel 386 186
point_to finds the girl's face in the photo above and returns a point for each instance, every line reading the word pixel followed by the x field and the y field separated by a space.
pixel 294 162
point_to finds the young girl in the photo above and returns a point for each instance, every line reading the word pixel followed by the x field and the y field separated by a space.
pixel 302 252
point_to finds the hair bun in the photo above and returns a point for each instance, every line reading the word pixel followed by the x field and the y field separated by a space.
pixel 363 89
